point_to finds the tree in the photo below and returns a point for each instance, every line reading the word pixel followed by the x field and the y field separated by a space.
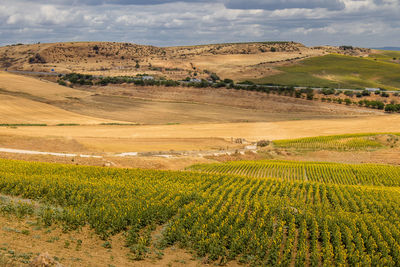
pixel 348 101
pixel 310 94
pixel 349 93
pixel 366 93
pixel 227 81
pixel 37 59
pixel 214 77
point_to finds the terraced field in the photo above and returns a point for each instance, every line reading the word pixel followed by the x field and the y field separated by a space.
pixel 259 221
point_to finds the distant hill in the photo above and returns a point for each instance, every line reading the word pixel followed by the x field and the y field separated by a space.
pixel 390 48
pixel 377 70
pixel 238 61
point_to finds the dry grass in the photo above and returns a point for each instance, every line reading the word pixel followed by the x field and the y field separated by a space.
pixel 38 88
pixel 17 247
pixel 382 156
pixel 14 110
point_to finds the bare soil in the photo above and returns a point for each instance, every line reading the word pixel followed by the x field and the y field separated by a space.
pixel 22 240
pixel 382 156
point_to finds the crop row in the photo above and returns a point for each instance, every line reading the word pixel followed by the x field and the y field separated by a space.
pixel 336 173
pixel 340 142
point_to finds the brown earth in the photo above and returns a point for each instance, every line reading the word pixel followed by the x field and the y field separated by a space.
pixel 382 156
pixel 22 240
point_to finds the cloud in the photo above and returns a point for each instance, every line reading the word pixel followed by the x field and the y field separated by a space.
pixel 114 2
pixel 196 22
pixel 285 4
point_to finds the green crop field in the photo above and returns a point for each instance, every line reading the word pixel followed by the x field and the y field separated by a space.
pixel 345 142
pixel 324 172
pixel 338 70
pixel 260 221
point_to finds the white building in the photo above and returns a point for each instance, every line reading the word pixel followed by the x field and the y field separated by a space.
pixel 373 89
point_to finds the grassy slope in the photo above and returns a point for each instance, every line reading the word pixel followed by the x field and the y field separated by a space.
pixel 349 72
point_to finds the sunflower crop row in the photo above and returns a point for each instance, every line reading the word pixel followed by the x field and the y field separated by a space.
pixel 336 173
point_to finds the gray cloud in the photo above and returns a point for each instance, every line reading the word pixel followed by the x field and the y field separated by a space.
pixel 284 4
pixel 115 2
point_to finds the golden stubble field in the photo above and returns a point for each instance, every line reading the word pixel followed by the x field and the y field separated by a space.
pixel 106 138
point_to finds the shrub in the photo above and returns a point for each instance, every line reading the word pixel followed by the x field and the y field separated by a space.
pixel 263 143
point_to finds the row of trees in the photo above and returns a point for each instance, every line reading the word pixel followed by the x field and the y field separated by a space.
pixel 308 93
pixel 392 108
pixel 362 103
pixel 349 93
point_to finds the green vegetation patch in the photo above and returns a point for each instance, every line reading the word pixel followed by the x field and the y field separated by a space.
pixel 334 70
pixel 387 56
pixel 363 141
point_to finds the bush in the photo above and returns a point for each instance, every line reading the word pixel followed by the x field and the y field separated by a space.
pixel 348 101
pixel 365 93
pixel 390 108
pixel 263 143
pixel 37 59
pixel 349 93
pixel 328 91
pixel 310 94
pixel 214 77
pixel 61 82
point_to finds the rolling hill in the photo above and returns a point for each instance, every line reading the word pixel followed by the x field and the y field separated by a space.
pixel 333 70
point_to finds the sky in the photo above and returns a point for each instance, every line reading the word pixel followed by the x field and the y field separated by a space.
pixel 365 23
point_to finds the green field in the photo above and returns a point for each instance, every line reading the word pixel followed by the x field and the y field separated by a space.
pixel 260 221
pixel 387 56
pixel 344 142
pixel 340 71
pixel 323 172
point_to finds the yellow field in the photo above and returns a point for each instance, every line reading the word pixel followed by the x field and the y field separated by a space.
pixel 186 137
pixel 36 87
pixel 26 100
pixel 17 110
